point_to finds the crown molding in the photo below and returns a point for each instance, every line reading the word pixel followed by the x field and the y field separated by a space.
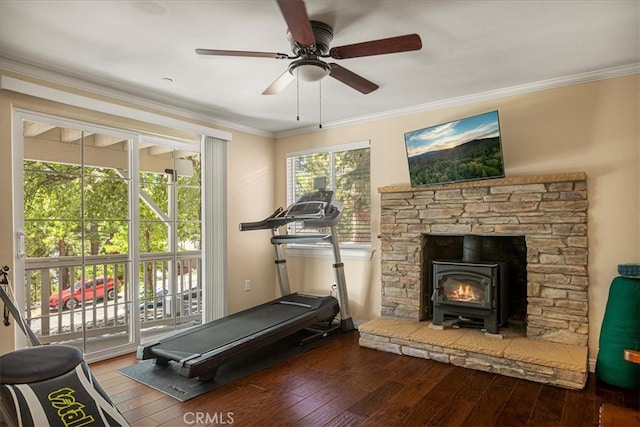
pixel 44 92
pixel 191 111
pixel 125 93
pixel 575 79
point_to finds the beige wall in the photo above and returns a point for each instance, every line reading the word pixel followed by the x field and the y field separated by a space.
pixel 592 127
pixel 250 256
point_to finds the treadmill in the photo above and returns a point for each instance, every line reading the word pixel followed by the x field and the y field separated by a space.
pixel 201 350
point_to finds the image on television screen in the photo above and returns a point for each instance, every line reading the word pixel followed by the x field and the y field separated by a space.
pixel 462 150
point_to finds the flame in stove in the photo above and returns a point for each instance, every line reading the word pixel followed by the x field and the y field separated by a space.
pixel 464 293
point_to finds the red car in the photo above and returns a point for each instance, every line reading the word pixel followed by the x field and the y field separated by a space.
pixel 91 288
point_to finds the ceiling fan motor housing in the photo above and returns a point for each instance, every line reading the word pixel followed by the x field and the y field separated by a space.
pixel 322 33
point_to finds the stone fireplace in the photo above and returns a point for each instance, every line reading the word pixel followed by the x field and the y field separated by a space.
pixel 548 212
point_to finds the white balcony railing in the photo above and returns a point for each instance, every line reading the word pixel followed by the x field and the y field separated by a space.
pixel 62 304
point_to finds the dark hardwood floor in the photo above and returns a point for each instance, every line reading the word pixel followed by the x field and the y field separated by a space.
pixel 342 384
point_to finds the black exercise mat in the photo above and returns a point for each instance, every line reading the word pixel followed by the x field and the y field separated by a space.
pixel 167 380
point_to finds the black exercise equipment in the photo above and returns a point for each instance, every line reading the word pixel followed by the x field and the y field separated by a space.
pixel 200 351
pixel 49 385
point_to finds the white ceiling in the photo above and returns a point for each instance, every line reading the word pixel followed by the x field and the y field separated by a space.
pixel 469 47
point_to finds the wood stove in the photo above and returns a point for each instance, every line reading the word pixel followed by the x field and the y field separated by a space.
pixel 470 291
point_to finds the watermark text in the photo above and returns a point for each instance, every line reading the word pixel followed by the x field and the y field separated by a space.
pixel 195 418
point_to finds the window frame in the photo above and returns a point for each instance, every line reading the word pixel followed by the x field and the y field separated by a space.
pixel 354 251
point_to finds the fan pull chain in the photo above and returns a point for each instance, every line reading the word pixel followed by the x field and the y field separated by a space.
pixel 320 102
pixel 297 94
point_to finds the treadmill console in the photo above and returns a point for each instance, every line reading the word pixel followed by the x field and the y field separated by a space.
pixel 309 204
pixel 314 208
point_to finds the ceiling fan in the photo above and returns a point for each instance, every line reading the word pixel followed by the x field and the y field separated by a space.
pixel 310 41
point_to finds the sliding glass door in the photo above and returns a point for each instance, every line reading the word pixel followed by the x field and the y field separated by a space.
pixel 169 237
pixel 109 246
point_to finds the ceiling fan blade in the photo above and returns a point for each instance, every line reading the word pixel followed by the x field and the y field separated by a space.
pixel 350 78
pixel 279 84
pixel 295 15
pixel 247 53
pixel 378 47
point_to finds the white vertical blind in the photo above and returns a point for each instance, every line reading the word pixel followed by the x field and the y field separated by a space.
pixel 214 236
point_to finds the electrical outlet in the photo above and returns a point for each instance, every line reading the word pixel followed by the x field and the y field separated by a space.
pixel 247 285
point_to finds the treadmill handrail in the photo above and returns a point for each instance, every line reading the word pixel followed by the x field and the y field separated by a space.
pixel 299 238
pixel 265 224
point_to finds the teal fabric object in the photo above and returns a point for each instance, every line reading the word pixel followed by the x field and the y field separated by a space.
pixel 620 331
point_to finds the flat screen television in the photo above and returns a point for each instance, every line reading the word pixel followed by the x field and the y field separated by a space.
pixel 462 150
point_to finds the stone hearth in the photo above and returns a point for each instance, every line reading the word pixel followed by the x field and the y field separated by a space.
pixel 549 211
pixel 512 355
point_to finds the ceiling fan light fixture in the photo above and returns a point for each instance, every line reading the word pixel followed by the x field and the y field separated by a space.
pixel 310 70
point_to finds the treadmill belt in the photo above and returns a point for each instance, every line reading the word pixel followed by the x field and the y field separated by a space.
pixel 233 328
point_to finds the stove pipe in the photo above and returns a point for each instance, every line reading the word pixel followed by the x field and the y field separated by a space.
pixel 472 248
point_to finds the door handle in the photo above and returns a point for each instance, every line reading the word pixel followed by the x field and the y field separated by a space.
pixel 21 239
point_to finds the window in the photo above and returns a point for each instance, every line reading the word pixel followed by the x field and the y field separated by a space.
pixel 346 171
